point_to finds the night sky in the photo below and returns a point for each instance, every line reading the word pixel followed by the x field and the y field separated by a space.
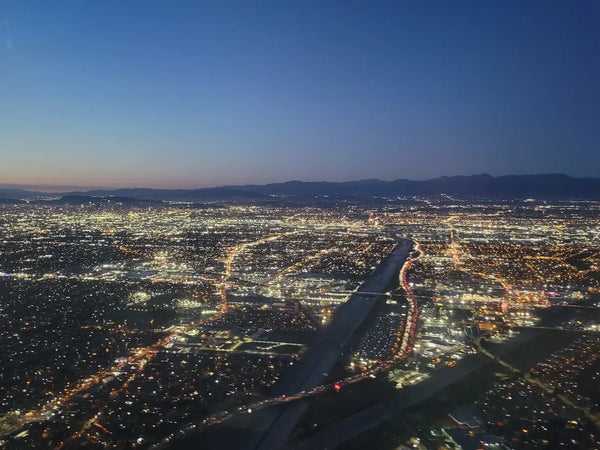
pixel 194 93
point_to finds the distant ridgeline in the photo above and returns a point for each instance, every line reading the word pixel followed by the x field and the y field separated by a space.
pixel 509 187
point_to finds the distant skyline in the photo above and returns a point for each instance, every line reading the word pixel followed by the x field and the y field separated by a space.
pixel 119 93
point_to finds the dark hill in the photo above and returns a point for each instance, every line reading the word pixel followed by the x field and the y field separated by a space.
pixel 509 187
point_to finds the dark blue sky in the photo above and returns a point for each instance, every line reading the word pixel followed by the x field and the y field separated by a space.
pixel 197 93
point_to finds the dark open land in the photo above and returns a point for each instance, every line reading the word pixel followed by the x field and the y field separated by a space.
pixel 414 409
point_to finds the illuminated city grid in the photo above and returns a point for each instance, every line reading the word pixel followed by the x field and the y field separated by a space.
pixel 132 326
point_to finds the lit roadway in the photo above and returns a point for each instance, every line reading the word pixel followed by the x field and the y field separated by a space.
pixel 231 256
pixel 303 382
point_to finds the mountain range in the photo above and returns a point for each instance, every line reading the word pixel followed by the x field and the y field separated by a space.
pixel 508 187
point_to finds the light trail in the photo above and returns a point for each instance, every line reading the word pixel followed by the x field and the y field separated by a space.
pixel 231 256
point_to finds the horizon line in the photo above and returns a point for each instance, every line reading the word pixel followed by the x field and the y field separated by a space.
pixel 66 188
